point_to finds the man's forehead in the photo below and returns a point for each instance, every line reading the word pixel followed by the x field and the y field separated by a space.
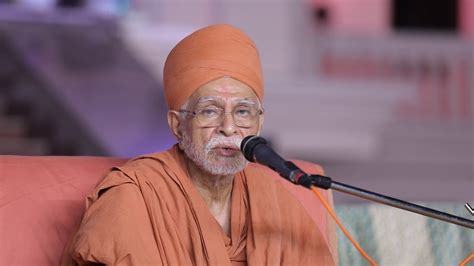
pixel 237 99
pixel 224 89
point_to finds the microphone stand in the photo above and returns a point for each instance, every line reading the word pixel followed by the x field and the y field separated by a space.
pixel 325 182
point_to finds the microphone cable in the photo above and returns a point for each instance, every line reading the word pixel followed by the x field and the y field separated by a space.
pixel 342 227
pixel 467 259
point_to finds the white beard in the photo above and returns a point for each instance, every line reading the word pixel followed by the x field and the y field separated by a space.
pixel 208 161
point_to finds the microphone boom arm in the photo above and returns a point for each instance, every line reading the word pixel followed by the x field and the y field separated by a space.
pixel 317 180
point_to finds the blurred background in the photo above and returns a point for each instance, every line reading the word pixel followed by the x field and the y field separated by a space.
pixel 379 92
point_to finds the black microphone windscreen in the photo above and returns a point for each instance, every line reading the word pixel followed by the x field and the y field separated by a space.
pixel 248 145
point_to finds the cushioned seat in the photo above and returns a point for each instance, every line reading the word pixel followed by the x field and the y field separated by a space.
pixel 41 200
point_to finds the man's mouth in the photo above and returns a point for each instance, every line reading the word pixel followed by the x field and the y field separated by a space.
pixel 226 150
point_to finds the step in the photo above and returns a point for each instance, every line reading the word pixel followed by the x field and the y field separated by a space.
pixel 411 181
pixel 12 126
pixel 3 104
pixel 427 142
pixel 319 114
pixel 336 119
pixel 430 130
pixel 327 145
pixel 434 152
pixel 340 90
pixel 24 146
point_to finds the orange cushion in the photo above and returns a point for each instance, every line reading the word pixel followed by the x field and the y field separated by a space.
pixel 41 200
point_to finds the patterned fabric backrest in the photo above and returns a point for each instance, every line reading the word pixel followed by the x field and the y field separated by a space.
pixel 396 237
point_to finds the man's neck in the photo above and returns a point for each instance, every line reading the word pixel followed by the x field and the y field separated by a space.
pixel 215 190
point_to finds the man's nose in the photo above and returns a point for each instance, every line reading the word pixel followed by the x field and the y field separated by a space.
pixel 227 126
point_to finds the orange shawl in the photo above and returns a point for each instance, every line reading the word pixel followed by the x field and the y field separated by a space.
pixel 148 212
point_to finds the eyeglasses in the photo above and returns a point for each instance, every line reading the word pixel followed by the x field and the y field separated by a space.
pixel 212 116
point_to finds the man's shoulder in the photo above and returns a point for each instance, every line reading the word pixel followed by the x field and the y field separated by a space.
pixel 147 160
pixel 149 156
pixel 143 169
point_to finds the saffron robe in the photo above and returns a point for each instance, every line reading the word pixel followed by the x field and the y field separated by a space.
pixel 148 212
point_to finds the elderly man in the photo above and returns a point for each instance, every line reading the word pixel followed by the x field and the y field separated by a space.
pixel 200 203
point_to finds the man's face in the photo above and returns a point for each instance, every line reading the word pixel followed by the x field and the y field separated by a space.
pixel 214 147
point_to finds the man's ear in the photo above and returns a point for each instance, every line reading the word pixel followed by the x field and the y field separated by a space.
pixel 260 124
pixel 174 123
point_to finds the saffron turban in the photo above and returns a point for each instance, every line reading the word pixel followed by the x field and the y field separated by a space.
pixel 206 55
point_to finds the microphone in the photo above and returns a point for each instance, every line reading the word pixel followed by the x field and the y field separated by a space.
pixel 255 149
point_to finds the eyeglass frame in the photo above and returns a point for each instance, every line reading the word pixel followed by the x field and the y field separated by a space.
pixel 260 112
